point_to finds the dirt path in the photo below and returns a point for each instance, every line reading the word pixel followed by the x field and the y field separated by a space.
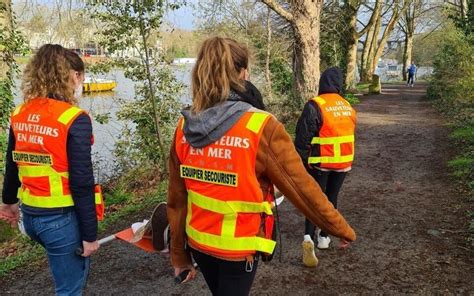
pixel 409 219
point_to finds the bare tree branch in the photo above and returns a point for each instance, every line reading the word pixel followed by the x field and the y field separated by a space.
pixel 371 21
pixel 279 10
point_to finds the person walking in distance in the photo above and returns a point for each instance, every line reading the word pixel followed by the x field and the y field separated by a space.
pixel 224 155
pixel 49 169
pixel 411 75
pixel 325 142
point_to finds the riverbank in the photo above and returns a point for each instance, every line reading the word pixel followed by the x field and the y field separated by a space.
pixel 400 198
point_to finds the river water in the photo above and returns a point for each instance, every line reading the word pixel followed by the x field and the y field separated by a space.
pixel 106 135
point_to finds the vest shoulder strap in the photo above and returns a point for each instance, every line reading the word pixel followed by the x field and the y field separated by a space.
pixel 67 116
pixel 319 100
pixel 17 110
pixel 257 119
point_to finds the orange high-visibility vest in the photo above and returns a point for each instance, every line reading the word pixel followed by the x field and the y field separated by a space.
pixel 336 136
pixel 225 201
pixel 41 127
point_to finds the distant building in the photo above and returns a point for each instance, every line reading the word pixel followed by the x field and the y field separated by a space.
pixel 181 61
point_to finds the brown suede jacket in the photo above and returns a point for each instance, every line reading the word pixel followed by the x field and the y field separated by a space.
pixel 277 163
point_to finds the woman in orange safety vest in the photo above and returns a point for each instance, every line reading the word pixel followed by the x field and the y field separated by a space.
pixel 224 155
pixel 325 141
pixel 49 168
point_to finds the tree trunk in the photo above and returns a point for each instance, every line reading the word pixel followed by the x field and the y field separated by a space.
pixel 397 11
pixel 353 39
pixel 372 61
pixel 407 54
pixel 369 50
pixel 365 55
pixel 305 17
pixel 151 94
pixel 5 27
pixel 6 73
pixel 306 60
pixel 268 78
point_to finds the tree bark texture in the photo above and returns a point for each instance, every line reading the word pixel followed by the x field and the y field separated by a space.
pixel 304 17
pixel 397 11
pixel 407 54
pixel 5 26
pixel 268 78
pixel 351 9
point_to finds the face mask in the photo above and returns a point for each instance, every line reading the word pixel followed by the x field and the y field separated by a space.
pixel 78 91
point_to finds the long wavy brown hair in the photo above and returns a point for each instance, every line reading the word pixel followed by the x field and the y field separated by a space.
pixel 217 71
pixel 49 73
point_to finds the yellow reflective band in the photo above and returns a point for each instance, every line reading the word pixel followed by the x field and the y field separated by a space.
pixel 228 207
pixel 17 110
pixel 320 101
pixel 68 115
pixel 231 243
pixel 39 171
pixel 209 176
pixel 256 121
pixel 32 158
pixel 98 198
pixel 44 201
pixel 329 159
pixel 182 123
pixel 333 140
pixel 229 224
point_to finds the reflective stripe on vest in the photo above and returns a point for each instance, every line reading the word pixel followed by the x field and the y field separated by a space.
pixel 336 142
pixel 229 209
pixel 68 115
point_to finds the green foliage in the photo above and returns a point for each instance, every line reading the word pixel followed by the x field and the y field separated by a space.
pixel 6 232
pixel 11 43
pixel 282 76
pixel 363 87
pixel 452 90
pixel 130 205
pixel 30 252
pixel 176 52
pixel 463 166
pixel 465 24
pixel 133 28
pixel 351 98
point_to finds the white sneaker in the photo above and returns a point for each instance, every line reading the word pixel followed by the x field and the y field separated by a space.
pixel 323 242
pixel 309 258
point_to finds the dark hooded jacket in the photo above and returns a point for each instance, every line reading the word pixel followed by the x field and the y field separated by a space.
pixel 311 119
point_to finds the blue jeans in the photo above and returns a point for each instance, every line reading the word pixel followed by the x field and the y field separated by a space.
pixel 59 235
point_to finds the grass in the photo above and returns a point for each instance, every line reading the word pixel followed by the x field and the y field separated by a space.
pixel 6 232
pixel 464 135
pixel 26 252
pixel 362 87
pixel 462 166
pixel 31 253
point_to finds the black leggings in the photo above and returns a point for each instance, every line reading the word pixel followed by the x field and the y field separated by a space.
pixel 330 183
pixel 224 277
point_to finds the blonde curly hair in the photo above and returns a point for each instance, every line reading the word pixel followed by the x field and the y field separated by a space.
pixel 49 74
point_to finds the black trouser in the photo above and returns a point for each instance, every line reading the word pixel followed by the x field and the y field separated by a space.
pixel 229 278
pixel 411 79
pixel 330 183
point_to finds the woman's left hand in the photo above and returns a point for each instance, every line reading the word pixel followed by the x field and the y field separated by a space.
pixel 10 213
pixel 343 244
pixel 191 274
